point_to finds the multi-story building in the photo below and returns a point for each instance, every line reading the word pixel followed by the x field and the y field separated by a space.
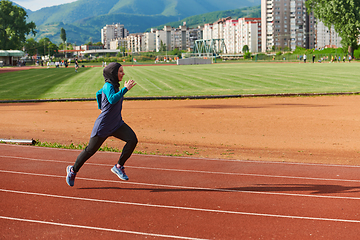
pixel 118 43
pixel 165 37
pixel 207 31
pixel 235 34
pixel 267 20
pixel 230 34
pixel 216 32
pixel 181 38
pixel 327 37
pixel 286 24
pixel 134 42
pixel 218 28
pixel 111 32
pixel 194 34
pixel 149 41
pixel 249 33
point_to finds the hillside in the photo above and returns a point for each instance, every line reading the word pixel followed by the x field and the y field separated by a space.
pixel 80 9
pixel 194 21
pixel 84 19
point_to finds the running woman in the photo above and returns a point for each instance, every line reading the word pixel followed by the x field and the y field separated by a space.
pixel 108 123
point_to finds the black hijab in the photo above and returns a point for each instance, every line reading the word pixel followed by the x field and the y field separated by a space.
pixel 111 74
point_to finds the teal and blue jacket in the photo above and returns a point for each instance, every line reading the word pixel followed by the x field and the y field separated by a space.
pixel 110 103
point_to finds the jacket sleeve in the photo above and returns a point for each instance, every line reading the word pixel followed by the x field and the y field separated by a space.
pixel 111 95
pixel 98 98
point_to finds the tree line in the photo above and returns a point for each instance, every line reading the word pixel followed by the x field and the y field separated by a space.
pixel 344 15
pixel 14 29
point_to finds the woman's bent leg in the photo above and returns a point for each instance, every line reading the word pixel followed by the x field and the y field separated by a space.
pixel 94 145
pixel 126 134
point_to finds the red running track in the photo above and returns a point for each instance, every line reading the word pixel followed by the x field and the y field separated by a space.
pixel 174 198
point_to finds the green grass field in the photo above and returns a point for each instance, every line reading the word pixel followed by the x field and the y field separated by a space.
pixel 194 80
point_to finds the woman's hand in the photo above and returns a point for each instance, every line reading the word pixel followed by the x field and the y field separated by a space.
pixel 129 84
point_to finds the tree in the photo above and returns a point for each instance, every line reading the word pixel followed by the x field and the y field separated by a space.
pixel 245 49
pixel 13 26
pixel 31 46
pixel 46 47
pixel 162 46
pixel 53 48
pixel 247 55
pixel 63 34
pixel 176 52
pixel 344 15
pixel 43 47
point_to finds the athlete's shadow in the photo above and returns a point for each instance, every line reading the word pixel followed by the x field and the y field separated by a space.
pixel 280 188
pixel 312 188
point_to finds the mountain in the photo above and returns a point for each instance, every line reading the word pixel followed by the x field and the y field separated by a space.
pixel 71 12
pixel 194 21
pixel 89 29
pixel 83 19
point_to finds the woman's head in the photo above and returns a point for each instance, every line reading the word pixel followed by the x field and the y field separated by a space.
pixel 111 72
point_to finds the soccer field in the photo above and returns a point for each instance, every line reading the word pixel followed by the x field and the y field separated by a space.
pixel 194 80
pixel 234 79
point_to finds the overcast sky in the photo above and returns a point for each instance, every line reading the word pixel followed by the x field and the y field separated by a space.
pixel 34 5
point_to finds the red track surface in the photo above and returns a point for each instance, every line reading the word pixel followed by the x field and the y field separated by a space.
pixel 170 197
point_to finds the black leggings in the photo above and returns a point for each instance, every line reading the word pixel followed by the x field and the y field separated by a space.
pixel 124 132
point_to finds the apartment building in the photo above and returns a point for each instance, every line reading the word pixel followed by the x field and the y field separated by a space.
pixel 327 37
pixel 181 38
pixel 149 41
pixel 216 31
pixel 218 28
pixel 194 34
pixel 235 34
pixel 112 32
pixel 118 43
pixel 286 24
pixel 134 42
pixel 249 33
pixel 207 31
pixel 230 32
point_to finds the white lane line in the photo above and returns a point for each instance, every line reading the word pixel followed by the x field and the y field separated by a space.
pixel 199 171
pixel 202 159
pixel 187 187
pixel 185 208
pixel 248 174
pixel 96 228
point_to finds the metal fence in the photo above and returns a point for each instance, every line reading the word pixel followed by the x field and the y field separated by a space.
pixel 287 57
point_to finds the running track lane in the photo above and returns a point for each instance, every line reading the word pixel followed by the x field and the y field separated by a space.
pixel 176 198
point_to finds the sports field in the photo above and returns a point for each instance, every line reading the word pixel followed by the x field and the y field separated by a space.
pixel 236 168
pixel 195 80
